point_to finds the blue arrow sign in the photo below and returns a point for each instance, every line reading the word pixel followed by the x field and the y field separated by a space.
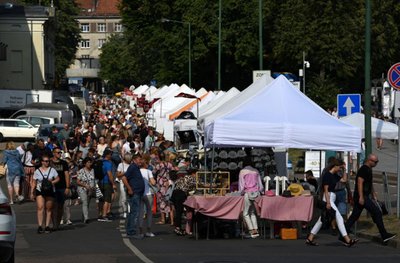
pixel 348 104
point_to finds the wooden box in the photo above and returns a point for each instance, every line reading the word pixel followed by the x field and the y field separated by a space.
pixel 288 233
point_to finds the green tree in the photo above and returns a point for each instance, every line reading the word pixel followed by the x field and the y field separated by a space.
pixel 330 32
pixel 67 33
pixel 114 65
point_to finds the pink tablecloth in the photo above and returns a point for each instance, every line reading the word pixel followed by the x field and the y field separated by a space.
pixel 280 208
pixel 222 207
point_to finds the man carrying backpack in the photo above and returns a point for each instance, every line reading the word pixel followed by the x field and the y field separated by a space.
pixel 107 185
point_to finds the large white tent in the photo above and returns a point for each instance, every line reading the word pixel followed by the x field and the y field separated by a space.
pixel 278 115
pixel 379 128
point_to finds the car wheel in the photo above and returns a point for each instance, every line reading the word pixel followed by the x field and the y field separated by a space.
pixel 12 258
pixel 1 137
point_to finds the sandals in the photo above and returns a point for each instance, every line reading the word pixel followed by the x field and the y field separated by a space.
pixel 179 232
pixel 160 223
pixel 351 243
pixel 311 243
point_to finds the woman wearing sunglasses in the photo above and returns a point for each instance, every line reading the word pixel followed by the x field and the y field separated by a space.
pixel 44 195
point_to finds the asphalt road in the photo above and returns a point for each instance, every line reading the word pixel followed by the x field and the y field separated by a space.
pixel 104 242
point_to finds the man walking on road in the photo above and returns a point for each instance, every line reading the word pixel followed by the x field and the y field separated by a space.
pixel 365 197
pixel 62 187
pixel 134 183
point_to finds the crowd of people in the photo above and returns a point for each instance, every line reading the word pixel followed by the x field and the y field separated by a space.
pixel 114 156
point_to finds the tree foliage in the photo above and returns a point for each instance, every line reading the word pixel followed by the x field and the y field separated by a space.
pixel 331 33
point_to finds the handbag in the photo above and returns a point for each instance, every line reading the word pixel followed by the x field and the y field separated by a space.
pixel 153 188
pixel 3 170
pixel 73 192
pixel 381 206
pixel 99 194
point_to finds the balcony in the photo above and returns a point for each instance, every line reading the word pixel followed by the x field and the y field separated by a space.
pixel 83 73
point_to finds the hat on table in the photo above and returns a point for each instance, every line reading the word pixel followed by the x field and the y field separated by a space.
pixel 295 189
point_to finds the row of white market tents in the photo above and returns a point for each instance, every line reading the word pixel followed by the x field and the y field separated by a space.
pixel 266 114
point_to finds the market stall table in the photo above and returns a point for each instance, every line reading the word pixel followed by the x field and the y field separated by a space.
pixel 278 208
pixel 220 207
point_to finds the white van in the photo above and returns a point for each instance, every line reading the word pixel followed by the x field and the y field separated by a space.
pixel 60 112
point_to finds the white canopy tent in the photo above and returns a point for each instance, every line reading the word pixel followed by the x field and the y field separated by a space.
pixel 185 104
pixel 150 92
pixel 379 128
pixel 141 89
pixel 278 115
pixel 216 103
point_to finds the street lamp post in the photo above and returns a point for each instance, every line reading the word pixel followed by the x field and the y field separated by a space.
pixel 260 33
pixel 190 44
pixel 306 64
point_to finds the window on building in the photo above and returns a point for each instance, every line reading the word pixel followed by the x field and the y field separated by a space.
pixel 118 27
pixel 3 51
pixel 86 61
pixel 101 42
pixel 101 27
pixel 85 43
pixel 85 27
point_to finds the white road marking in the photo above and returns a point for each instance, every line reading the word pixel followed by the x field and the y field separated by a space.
pixel 129 244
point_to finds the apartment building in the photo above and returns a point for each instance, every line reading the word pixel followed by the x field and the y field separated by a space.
pixel 27 60
pixel 98 20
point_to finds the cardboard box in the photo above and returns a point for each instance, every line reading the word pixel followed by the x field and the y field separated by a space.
pixel 288 233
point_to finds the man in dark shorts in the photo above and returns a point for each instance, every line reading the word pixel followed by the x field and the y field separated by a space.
pixel 62 187
pixel 107 186
pixel 365 197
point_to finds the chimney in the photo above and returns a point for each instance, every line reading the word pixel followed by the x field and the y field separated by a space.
pixel 95 2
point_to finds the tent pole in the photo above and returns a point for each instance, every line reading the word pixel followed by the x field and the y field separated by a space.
pixel 212 167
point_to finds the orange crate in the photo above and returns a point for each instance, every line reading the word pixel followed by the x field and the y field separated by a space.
pixel 288 233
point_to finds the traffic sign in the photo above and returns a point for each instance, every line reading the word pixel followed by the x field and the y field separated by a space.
pixel 348 104
pixel 394 76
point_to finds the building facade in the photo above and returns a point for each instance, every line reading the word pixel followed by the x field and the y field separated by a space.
pixel 98 20
pixel 27 58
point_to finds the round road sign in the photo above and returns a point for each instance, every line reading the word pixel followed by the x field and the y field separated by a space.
pixel 394 76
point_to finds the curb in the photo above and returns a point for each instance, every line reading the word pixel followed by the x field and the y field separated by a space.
pixel 377 239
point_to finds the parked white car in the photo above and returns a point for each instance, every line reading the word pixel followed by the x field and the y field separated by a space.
pixel 7 229
pixel 15 128
pixel 36 120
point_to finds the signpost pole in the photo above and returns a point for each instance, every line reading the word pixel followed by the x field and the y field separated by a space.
pixel 394 80
pixel 397 111
pixel 398 176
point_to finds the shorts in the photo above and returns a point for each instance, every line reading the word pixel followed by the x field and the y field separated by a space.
pixel 107 191
pixel 60 196
pixel 13 181
pixel 37 193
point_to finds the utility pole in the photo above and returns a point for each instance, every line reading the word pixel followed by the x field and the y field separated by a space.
pixel 367 89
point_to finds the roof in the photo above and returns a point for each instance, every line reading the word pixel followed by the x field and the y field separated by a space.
pixel 98 7
pixel 16 9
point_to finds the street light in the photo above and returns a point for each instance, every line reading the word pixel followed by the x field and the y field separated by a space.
pixel 165 20
pixel 306 64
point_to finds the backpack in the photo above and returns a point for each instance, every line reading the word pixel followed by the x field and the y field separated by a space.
pixel 98 170
pixel 47 186
pixel 168 194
